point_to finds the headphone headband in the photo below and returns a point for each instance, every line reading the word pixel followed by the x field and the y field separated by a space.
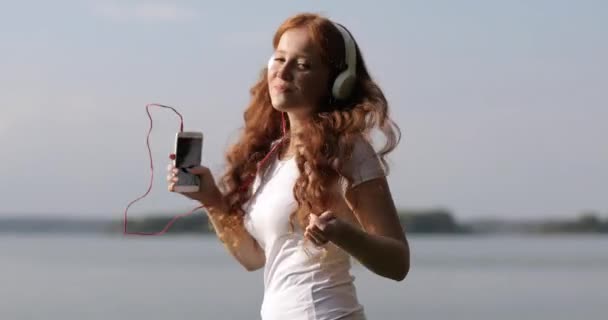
pixel 350 54
pixel 345 81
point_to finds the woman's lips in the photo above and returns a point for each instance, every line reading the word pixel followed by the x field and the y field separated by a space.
pixel 281 88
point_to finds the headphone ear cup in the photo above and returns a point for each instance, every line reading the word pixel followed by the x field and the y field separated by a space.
pixel 343 85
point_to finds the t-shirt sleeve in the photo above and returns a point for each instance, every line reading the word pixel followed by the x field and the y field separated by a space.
pixel 363 165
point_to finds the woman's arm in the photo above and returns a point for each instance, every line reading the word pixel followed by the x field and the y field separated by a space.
pixel 380 245
pixel 238 241
pixel 243 247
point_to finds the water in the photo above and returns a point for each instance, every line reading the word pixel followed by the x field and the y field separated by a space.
pixel 499 277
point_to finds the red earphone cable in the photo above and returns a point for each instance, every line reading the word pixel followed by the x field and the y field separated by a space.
pixel 164 230
pixel 181 129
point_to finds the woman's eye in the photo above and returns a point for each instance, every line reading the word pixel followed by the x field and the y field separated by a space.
pixel 303 66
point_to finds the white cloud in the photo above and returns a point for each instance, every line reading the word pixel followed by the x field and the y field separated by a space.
pixel 144 11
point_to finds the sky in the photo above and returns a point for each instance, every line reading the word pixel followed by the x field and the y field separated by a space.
pixel 502 104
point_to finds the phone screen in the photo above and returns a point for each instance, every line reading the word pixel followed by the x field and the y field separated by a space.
pixel 188 155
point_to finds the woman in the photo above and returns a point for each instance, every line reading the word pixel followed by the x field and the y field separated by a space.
pixel 304 189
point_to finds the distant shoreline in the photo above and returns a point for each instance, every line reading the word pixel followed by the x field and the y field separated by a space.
pixel 431 221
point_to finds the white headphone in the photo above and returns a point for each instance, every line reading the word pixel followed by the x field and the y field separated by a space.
pixel 345 81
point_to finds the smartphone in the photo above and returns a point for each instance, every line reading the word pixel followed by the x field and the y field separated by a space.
pixel 188 153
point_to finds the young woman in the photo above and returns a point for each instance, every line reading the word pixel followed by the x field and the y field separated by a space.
pixel 304 189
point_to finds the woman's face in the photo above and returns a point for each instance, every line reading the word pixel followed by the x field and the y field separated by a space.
pixel 297 78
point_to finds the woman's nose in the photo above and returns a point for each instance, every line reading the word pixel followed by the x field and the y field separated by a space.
pixel 284 71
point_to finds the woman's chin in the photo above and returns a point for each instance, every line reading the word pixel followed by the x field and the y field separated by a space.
pixel 281 104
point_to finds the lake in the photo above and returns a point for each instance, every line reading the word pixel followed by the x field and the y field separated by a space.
pixel 508 277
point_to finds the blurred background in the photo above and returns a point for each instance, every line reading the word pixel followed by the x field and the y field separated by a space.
pixel 500 177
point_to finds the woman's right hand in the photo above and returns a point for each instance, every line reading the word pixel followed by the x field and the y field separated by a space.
pixel 208 195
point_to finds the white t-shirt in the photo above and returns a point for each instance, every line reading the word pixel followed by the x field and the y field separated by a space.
pixel 297 285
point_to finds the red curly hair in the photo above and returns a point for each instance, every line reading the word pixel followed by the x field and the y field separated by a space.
pixel 329 136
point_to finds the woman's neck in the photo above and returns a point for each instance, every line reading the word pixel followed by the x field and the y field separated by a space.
pixel 296 125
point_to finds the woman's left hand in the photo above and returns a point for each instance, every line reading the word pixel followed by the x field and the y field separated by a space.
pixel 322 228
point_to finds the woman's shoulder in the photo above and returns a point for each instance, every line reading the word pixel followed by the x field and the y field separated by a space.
pixel 363 149
pixel 362 163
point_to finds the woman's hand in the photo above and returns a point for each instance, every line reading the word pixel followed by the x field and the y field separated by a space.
pixel 322 228
pixel 208 195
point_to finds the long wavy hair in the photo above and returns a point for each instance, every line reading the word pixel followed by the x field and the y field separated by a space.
pixel 329 135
